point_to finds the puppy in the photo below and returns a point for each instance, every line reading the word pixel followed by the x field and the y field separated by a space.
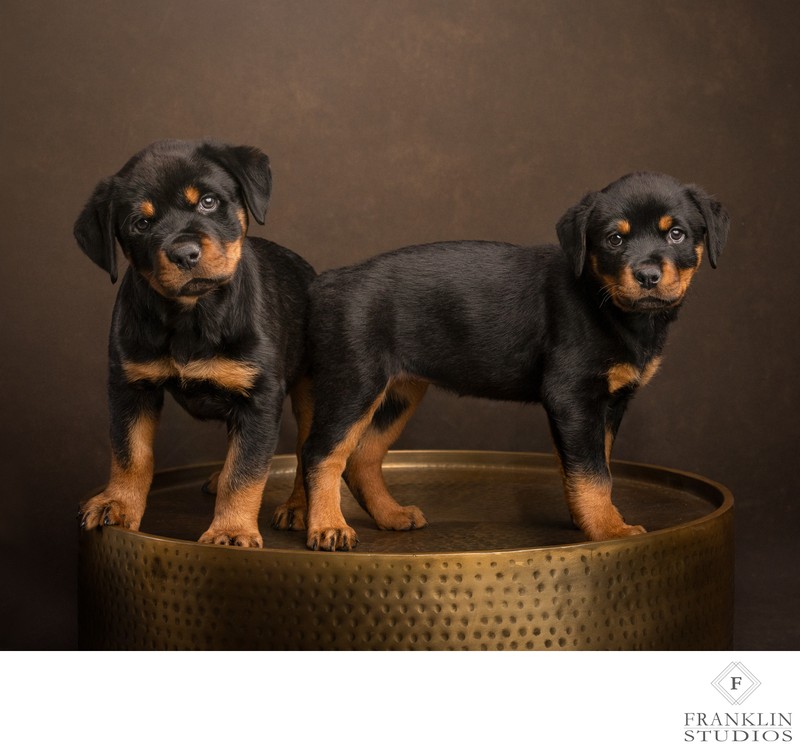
pixel 578 328
pixel 204 312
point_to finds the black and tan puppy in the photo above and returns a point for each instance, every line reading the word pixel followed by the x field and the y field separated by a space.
pixel 578 328
pixel 204 312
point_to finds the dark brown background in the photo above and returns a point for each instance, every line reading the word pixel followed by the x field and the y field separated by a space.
pixel 390 123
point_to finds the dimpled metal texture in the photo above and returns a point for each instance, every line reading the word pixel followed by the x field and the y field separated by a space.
pixel 499 567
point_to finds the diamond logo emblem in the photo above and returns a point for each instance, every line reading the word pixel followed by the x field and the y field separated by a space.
pixel 736 683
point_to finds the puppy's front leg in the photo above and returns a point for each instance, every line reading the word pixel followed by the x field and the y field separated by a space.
pixel 582 442
pixel 252 437
pixel 134 416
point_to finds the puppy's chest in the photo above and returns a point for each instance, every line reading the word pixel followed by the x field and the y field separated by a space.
pixel 220 372
pixel 193 366
pixel 623 375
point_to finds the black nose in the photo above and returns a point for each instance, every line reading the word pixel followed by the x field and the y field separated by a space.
pixel 647 276
pixel 184 254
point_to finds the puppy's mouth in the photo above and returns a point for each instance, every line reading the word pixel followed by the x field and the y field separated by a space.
pixel 199 286
pixel 646 302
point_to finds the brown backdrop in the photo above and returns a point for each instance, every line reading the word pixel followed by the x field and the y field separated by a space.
pixel 388 124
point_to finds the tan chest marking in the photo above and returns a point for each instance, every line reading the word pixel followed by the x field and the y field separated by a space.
pixel 626 375
pixel 225 373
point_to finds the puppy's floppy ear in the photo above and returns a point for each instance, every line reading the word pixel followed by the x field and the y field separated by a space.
pixel 716 219
pixel 94 229
pixel 571 230
pixel 250 167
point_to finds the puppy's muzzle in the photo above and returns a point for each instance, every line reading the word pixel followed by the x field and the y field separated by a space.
pixel 186 255
pixel 648 276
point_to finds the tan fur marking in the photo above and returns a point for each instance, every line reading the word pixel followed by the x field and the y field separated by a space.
pixel 228 374
pixel 218 261
pixel 624 226
pixel 225 373
pixel 625 375
pixel 670 279
pixel 236 508
pixel 147 209
pixel 609 445
pixel 649 371
pixel 589 501
pixel 698 251
pixel 665 223
pixel 155 371
pixel 192 195
pixel 364 473
pixel 324 501
pixel 242 216
pixel 123 501
pixel 622 375
pixel 166 278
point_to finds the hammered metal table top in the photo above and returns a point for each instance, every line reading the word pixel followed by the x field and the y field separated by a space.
pixel 473 501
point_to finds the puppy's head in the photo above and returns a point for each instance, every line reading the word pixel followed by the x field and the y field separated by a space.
pixel 178 210
pixel 643 238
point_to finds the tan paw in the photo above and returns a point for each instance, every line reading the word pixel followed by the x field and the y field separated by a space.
pixel 105 509
pixel 402 519
pixel 342 538
pixel 289 517
pixel 243 537
pixel 630 530
pixel 622 530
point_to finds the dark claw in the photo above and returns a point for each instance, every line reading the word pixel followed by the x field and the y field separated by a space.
pixel 315 545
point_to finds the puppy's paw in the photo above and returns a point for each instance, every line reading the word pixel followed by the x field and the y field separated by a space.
pixel 289 517
pixel 342 538
pixel 619 530
pixel 105 509
pixel 402 519
pixel 247 538
pixel 630 530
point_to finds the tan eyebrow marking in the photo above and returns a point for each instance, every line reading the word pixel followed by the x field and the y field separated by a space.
pixel 192 194
pixel 147 209
pixel 665 222
pixel 624 226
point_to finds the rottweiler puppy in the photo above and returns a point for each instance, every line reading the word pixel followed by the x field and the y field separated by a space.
pixel 578 328
pixel 212 316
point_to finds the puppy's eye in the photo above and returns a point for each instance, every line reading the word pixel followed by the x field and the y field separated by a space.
pixel 141 224
pixel 208 203
pixel 676 235
pixel 615 240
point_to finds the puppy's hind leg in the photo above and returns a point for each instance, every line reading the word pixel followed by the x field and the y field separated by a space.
pixel 291 515
pixel 340 420
pixel 364 473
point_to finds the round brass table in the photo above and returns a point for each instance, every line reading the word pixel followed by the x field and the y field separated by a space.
pixel 499 566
